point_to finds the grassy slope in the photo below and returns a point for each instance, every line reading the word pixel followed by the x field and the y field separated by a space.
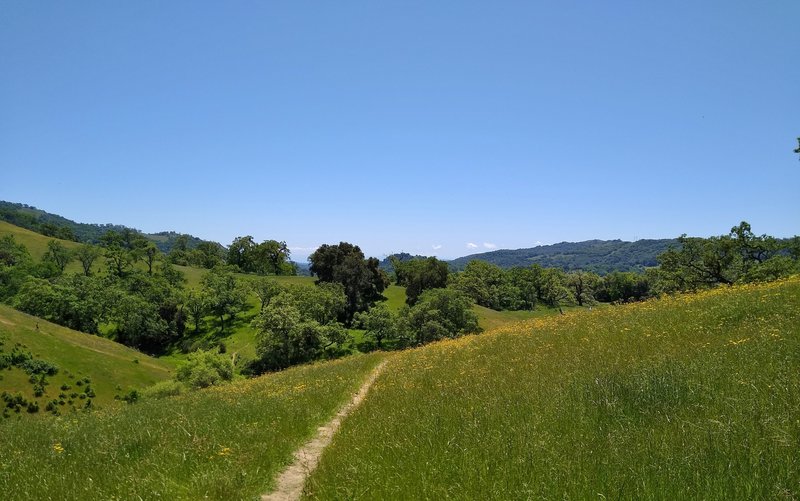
pixel 109 365
pixel 222 443
pixel 490 319
pixel 37 243
pixel 685 397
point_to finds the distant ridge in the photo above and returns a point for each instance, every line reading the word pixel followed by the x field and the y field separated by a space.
pixel 53 225
pixel 599 256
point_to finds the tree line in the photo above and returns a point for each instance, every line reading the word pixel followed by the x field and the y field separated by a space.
pixel 142 301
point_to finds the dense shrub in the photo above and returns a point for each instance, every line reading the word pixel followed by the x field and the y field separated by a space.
pixel 205 368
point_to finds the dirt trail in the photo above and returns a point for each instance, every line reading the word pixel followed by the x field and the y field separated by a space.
pixel 290 483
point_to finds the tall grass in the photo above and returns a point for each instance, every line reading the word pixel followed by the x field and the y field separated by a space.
pixel 688 397
pixel 113 369
pixel 221 443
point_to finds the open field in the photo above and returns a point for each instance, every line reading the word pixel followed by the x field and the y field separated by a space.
pixel 694 396
pixel 112 368
pixel 222 443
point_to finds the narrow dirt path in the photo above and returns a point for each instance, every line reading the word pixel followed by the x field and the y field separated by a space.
pixel 290 483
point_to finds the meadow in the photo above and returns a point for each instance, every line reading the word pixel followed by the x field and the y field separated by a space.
pixel 220 443
pixel 111 368
pixel 686 397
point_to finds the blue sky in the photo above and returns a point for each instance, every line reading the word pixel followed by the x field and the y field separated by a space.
pixel 439 128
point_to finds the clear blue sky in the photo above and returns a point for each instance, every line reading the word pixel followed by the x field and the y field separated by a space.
pixel 440 128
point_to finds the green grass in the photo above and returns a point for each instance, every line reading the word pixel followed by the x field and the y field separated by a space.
pixel 489 319
pixel 112 368
pixel 395 297
pixel 692 397
pixel 222 443
pixel 36 244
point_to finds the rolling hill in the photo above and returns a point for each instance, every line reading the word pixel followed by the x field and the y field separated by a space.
pixel 689 396
pixel 599 256
pixel 111 368
pixel 53 225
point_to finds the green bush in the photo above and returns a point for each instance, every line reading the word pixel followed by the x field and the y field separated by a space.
pixel 130 397
pixel 163 389
pixel 205 368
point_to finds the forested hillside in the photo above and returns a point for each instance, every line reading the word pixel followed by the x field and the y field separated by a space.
pixel 598 256
pixel 53 225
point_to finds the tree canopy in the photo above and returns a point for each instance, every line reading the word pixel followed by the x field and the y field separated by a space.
pixel 362 279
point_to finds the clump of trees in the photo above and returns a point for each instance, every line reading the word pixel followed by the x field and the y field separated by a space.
pixel 437 314
pixel 419 275
pixel 299 324
pixel 740 256
pixel 362 279
pixel 203 254
pixel 270 257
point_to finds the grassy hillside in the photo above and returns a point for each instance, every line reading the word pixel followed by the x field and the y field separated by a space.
pixel 687 397
pixel 52 224
pixel 222 443
pixel 112 368
pixel 37 243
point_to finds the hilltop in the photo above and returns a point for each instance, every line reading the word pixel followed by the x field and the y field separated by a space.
pixel 53 225
pixel 598 256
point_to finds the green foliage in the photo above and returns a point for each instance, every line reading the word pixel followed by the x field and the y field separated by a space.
pixel 284 339
pixel 196 306
pixel 622 287
pixel 380 324
pixel 87 254
pixel 131 397
pixel 265 289
pixel 15 266
pixel 117 252
pixel 223 294
pixel 299 325
pixel 36 366
pixel 362 279
pixel 419 275
pixel 77 302
pixel 58 255
pixel 206 255
pixel 439 314
pixel 739 256
pixel 267 258
pixel 12 253
pixel 486 284
pixel 149 253
pixel 205 368
pixel 323 303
